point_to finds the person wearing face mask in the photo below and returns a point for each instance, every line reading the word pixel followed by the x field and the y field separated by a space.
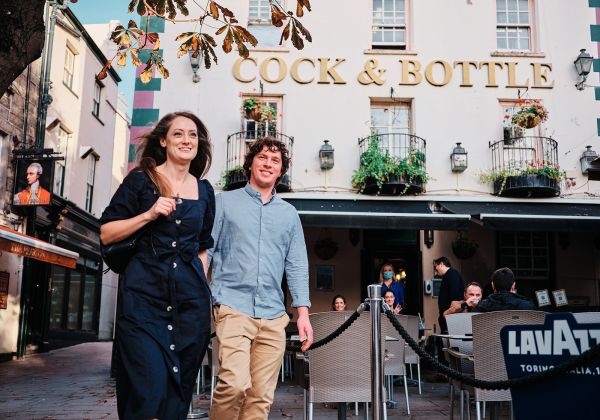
pixel 386 279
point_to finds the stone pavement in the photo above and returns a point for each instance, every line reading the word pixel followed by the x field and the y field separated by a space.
pixel 74 383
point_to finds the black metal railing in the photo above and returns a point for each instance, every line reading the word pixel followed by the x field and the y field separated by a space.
pixel 237 146
pixel 402 151
pixel 526 166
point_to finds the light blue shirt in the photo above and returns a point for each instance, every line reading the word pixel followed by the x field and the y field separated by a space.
pixel 255 244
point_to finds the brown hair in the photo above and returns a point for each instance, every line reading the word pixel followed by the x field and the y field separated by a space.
pixel 153 154
pixel 271 144
pixel 381 271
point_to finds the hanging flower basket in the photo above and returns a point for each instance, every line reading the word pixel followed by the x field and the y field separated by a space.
pixel 463 247
pixel 257 110
pixel 326 248
pixel 531 114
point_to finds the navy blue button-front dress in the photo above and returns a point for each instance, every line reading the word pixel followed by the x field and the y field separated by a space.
pixel 163 310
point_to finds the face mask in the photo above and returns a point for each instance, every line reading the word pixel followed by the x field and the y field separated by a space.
pixel 388 275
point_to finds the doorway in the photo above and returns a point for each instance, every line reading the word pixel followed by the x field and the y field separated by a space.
pixel 401 249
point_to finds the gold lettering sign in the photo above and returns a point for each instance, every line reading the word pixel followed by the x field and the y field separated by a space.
pixel 411 72
pixel 305 70
pixel 237 73
pixel 330 71
pixel 540 75
pixel 296 74
pixel 447 73
pixel 264 69
pixel 36 253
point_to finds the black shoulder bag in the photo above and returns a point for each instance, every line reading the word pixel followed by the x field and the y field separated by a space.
pixel 117 256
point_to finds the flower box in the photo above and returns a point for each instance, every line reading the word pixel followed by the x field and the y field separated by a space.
pixel 527 186
pixel 394 185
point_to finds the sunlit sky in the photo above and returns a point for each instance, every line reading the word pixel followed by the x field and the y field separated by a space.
pixel 103 11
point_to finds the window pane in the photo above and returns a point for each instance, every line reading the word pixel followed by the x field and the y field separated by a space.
pixel 524 5
pixel 501 17
pixel 524 17
pixel 513 17
pixel 500 5
pixel 73 303
pixel 57 298
pixel 512 4
pixel 89 298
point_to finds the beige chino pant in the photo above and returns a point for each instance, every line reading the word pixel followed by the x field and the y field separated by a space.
pixel 250 354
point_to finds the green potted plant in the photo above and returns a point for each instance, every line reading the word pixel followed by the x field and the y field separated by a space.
pixel 257 110
pixel 381 173
pixel 537 179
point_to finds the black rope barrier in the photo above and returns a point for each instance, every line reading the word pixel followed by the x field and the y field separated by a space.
pixel 583 359
pixel 333 335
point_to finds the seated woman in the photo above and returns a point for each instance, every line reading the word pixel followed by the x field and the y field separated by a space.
pixel 390 299
pixel 338 303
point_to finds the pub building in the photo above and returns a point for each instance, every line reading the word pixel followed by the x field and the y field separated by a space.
pixel 53 291
pixel 446 107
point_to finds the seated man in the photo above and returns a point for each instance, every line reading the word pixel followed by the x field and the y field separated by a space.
pixel 504 297
pixel 472 297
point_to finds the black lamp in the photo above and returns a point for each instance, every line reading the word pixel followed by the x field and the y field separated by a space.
pixel 586 159
pixel 195 63
pixel 326 155
pixel 583 65
pixel 458 158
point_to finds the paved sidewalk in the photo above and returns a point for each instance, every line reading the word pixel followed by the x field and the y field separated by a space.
pixel 74 383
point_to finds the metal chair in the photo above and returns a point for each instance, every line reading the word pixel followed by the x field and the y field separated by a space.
pixel 410 356
pixel 394 355
pixel 457 353
pixel 339 371
pixel 487 354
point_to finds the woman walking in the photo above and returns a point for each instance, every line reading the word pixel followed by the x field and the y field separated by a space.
pixel 163 318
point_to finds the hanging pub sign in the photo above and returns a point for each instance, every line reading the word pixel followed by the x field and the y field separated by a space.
pixel 531 349
pixel 33 181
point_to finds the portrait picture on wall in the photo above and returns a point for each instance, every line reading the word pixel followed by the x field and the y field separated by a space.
pixel 33 182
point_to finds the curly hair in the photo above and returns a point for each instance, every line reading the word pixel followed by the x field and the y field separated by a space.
pixel 153 154
pixel 271 144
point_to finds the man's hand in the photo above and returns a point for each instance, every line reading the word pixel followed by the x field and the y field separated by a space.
pixel 304 328
pixel 472 301
pixel 454 307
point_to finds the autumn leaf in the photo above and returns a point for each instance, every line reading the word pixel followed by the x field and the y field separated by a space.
pixel 228 41
pixel 146 75
pixel 301 4
pixel 134 58
pixel 277 16
pixel 214 10
pixel 122 61
pixel 131 6
pixel 156 45
pixel 104 71
pixel 303 30
pixel 163 71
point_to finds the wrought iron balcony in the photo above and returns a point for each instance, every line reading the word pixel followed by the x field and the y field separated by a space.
pixel 237 146
pixel 525 166
pixel 391 164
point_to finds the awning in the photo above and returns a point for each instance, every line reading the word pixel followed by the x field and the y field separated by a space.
pixel 27 246
pixel 530 216
pixel 376 214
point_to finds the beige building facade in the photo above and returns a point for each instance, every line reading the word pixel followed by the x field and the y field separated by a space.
pixel 412 79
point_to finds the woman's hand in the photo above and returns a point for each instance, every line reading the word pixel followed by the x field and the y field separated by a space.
pixel 164 206
pixel 397 309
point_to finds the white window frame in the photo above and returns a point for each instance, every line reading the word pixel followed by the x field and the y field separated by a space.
pixel 393 142
pixel 260 17
pixel 91 176
pixel 60 170
pixel 69 68
pixel 507 26
pixel 97 99
pixel 397 24
pixel 251 126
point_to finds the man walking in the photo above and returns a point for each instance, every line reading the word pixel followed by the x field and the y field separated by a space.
pixel 258 238
pixel 451 288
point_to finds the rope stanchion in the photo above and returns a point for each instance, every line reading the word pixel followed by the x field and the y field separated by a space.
pixel 583 359
pixel 361 308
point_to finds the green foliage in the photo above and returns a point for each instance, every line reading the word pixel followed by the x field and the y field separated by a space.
pixel 258 110
pixel 535 168
pixel 378 165
pixel 227 175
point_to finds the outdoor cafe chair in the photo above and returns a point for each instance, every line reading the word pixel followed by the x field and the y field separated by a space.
pixel 394 361
pixel 487 350
pixel 410 356
pixel 458 352
pixel 339 371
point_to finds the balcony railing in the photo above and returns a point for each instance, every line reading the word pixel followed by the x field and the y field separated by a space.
pixel 526 167
pixel 237 146
pixel 404 152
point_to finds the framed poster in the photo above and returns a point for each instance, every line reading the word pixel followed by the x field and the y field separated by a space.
pixel 4 282
pixel 325 277
pixel 543 297
pixel 33 182
pixel 560 297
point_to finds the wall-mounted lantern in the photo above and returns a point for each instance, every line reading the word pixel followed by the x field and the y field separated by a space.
pixel 195 64
pixel 458 158
pixel 428 237
pixel 586 159
pixel 326 155
pixel 583 65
